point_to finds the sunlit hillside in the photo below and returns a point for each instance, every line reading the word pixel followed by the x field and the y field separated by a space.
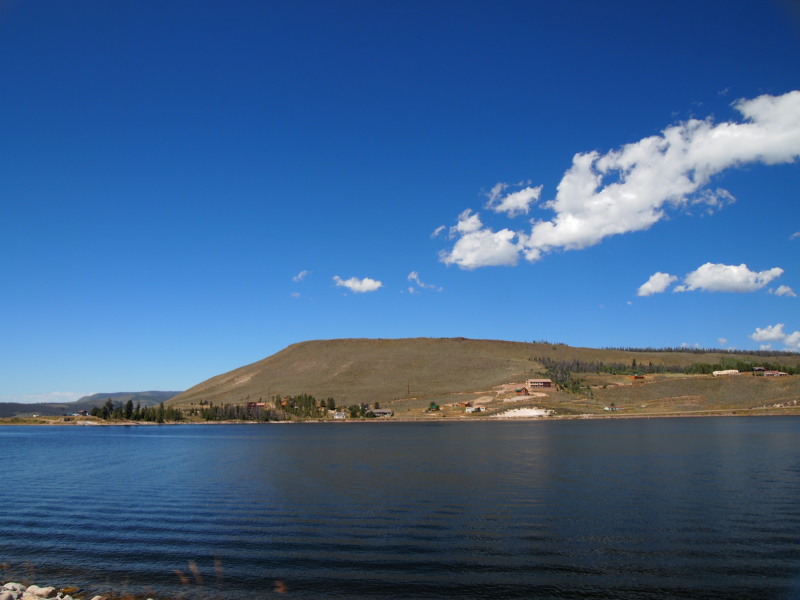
pixel 411 372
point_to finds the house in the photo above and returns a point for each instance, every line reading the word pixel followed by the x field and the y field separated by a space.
pixel 636 376
pixel 382 412
pixel 532 384
pixel 523 391
pixel 725 372
pixel 775 374
pixel 475 409
pixel 339 414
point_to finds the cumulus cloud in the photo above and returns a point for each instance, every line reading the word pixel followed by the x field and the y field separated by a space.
pixel 775 333
pixel 783 290
pixel 657 284
pixel 414 278
pixel 631 188
pixel 359 286
pixel 480 247
pixel 300 276
pixel 712 277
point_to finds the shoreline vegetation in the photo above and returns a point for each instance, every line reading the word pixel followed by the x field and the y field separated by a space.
pixel 94 422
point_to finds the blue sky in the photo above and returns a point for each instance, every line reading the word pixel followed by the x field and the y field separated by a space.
pixel 188 187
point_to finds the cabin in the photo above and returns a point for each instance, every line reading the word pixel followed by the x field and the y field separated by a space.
pixel 775 374
pixel 523 391
pixel 532 384
pixel 382 412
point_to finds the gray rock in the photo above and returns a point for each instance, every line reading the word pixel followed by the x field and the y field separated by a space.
pixel 41 592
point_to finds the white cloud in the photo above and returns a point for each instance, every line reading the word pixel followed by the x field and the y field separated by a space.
pixel 359 286
pixel 775 333
pixel 300 276
pixel 478 246
pixel 437 231
pixel 295 294
pixel 783 290
pixel 795 235
pixel 657 284
pixel 631 188
pixel 414 277
pixel 515 203
pixel 722 341
pixel 712 277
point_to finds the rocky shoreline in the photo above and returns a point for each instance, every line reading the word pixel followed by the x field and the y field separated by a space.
pixel 20 591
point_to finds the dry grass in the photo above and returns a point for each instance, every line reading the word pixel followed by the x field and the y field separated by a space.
pixel 407 374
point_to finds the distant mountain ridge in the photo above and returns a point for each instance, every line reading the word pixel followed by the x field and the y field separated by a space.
pixel 150 398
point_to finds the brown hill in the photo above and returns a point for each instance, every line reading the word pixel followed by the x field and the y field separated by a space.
pixel 411 372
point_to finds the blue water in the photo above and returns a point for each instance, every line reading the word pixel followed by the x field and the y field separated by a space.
pixel 623 509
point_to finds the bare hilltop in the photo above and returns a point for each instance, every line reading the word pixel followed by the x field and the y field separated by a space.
pixel 408 375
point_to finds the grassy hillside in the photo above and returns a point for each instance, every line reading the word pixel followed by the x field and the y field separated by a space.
pixel 406 374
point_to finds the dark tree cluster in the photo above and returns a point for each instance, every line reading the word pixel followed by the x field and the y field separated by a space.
pixel 560 370
pixel 151 414
pixel 303 406
pixel 689 350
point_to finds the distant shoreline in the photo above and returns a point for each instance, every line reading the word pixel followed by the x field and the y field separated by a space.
pixel 751 412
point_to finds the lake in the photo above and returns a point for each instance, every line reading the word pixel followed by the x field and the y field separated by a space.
pixel 622 509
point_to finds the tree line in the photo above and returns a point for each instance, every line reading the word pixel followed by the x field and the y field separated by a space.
pixel 560 371
pixel 301 406
pixel 151 414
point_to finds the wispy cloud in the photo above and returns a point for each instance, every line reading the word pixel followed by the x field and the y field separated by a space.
pixel 631 188
pixel 775 333
pixel 300 276
pixel 359 286
pixel 513 203
pixel 437 231
pixel 414 278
